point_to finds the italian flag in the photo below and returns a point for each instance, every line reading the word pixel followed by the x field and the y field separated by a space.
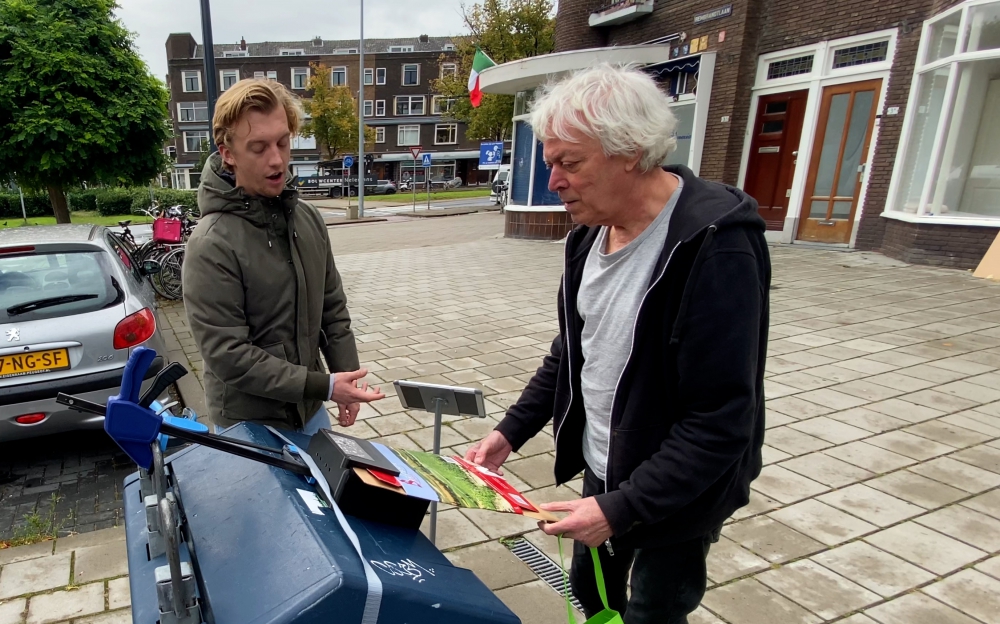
pixel 479 63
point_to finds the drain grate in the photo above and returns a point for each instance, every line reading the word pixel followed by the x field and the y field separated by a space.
pixel 540 564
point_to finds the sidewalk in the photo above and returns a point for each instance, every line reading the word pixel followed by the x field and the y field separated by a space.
pixel 880 498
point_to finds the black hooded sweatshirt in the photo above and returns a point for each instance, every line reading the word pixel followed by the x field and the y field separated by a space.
pixel 687 420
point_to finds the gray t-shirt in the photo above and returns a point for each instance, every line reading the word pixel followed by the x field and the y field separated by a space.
pixel 612 289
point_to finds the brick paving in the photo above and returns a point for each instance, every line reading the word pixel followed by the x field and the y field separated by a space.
pixel 880 499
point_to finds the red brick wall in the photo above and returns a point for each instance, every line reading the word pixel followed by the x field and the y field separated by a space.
pixel 572 30
pixel 952 246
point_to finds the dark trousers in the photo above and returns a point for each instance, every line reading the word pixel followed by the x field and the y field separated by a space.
pixel 667 583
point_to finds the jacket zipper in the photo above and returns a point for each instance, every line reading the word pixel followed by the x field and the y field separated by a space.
pixel 569 357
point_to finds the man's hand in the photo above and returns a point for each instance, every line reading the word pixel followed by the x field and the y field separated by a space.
pixel 349 395
pixel 491 452
pixel 585 523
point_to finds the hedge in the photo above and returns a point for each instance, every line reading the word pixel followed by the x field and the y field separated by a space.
pixel 34 205
pixel 104 201
pixel 83 200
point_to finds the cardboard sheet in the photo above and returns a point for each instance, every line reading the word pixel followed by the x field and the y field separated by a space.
pixel 989 267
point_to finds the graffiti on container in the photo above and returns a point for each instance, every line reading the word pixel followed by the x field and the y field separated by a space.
pixel 404 567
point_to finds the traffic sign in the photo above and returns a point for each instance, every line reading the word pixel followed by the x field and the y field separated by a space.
pixel 416 152
pixel 427 160
pixel 490 155
pixel 348 162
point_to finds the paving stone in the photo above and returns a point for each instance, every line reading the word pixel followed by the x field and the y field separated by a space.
pixel 874 506
pixel 958 474
pixel 786 486
pixel 988 503
pixel 826 470
pixel 966 525
pixel 972 592
pixel 750 602
pixel 882 573
pixel 832 399
pixel 926 548
pixel 830 430
pixel 793 442
pixel 536 603
pixel 952 435
pixel 453 530
pixel 991 567
pixel 917 608
pixel 12 611
pixel 869 457
pixel 904 410
pixel 797 408
pixel 822 522
pixel 703 616
pixel 493 563
pixel 535 471
pixel 100 562
pixel 864 389
pixel 119 593
pixel 728 560
pixel 970 391
pixel 816 588
pixel 917 489
pixel 771 540
pixel 424 438
pixel 540 443
pixel 34 575
pixel 62 605
pixel 909 445
pixel 869 420
pixel 857 618
pixel 759 504
pixel 939 401
pixel 975 421
pixel 900 381
pixel 23 553
pixel 496 525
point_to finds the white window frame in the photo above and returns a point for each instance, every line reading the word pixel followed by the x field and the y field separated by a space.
pixel 959 57
pixel 369 108
pixel 402 75
pixel 222 78
pixel 450 126
pixel 202 136
pixel 298 140
pixel 369 76
pixel 449 47
pixel 291 52
pixel 407 128
pixel 297 71
pixel 272 75
pixel 409 105
pixel 340 69
pixel 380 134
pixel 449 68
pixel 258 75
pixel 235 53
pixel 435 100
pixel 380 108
pixel 184 78
pixel 180 107
pixel 379 76
pixel 400 48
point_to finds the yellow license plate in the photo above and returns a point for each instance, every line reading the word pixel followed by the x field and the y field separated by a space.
pixel 32 363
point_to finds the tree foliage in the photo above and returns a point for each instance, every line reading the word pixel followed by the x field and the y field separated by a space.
pixel 506 30
pixel 77 103
pixel 333 115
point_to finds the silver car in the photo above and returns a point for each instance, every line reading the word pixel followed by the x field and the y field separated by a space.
pixel 73 304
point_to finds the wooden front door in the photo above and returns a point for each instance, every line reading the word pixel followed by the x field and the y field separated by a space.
pixel 773 153
pixel 843 134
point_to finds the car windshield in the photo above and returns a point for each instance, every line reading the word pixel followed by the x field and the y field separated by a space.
pixel 46 285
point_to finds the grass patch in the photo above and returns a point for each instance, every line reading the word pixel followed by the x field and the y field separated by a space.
pixel 82 217
pixel 37 528
pixel 480 192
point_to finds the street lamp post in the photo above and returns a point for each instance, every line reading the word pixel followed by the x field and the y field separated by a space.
pixel 361 116
pixel 209 57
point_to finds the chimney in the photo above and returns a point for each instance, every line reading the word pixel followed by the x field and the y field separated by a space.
pixel 317 42
pixel 243 44
pixel 423 38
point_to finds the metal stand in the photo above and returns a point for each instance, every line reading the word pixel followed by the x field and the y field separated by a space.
pixel 438 405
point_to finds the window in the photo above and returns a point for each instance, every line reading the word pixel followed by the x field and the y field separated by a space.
pixel 448 70
pixel 303 143
pixel 338 76
pixel 368 108
pixel 401 48
pixel 948 163
pixel 411 75
pixel 380 76
pixel 258 75
pixel 346 51
pixel 407 136
pixel 790 67
pixel 409 105
pixel 228 77
pixel 179 179
pixel 861 54
pixel 380 108
pixel 171 152
pixel 272 75
pixel 380 134
pixel 234 53
pixel 369 76
pixel 445 134
pixel 449 47
pixel 300 77
pixel 441 105
pixel 192 81
pixel 193 141
pixel 192 111
pixel 290 52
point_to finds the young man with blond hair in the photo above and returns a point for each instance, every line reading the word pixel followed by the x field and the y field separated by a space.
pixel 262 292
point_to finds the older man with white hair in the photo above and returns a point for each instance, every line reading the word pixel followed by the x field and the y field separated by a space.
pixel 655 381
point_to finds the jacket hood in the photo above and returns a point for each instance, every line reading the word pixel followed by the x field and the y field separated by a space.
pixel 218 193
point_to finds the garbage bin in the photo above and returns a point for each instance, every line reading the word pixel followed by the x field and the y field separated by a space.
pixel 352 212
pixel 264 548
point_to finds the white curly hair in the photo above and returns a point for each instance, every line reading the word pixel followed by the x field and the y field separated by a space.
pixel 620 106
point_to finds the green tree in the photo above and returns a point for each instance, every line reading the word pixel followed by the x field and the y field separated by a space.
pixel 204 151
pixel 506 30
pixel 77 104
pixel 333 116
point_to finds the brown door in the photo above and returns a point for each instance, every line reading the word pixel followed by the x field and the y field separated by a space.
pixel 843 134
pixel 773 153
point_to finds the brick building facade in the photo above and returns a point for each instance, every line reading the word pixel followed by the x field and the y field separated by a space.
pixel 399 101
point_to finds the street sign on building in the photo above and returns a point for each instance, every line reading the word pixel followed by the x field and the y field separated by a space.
pixel 490 155
pixel 427 160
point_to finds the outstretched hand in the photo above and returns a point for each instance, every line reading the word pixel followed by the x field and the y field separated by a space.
pixel 349 394
pixel 491 452
pixel 585 523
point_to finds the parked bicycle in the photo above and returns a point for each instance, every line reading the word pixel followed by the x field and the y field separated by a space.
pixel 171 229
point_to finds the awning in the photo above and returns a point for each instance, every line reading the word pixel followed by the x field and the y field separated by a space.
pixel 687 64
pixel 434 156
pixel 528 73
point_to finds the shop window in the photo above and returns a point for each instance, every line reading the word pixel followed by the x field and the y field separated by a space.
pixel 521 163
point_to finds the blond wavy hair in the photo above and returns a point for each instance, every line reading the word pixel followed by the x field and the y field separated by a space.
pixel 252 94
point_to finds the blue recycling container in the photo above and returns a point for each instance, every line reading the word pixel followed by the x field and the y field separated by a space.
pixel 263 551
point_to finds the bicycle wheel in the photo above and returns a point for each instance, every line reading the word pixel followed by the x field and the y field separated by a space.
pixel 157 253
pixel 170 273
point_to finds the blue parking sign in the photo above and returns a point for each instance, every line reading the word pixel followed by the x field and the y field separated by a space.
pixel 427 160
pixel 490 155
pixel 348 162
